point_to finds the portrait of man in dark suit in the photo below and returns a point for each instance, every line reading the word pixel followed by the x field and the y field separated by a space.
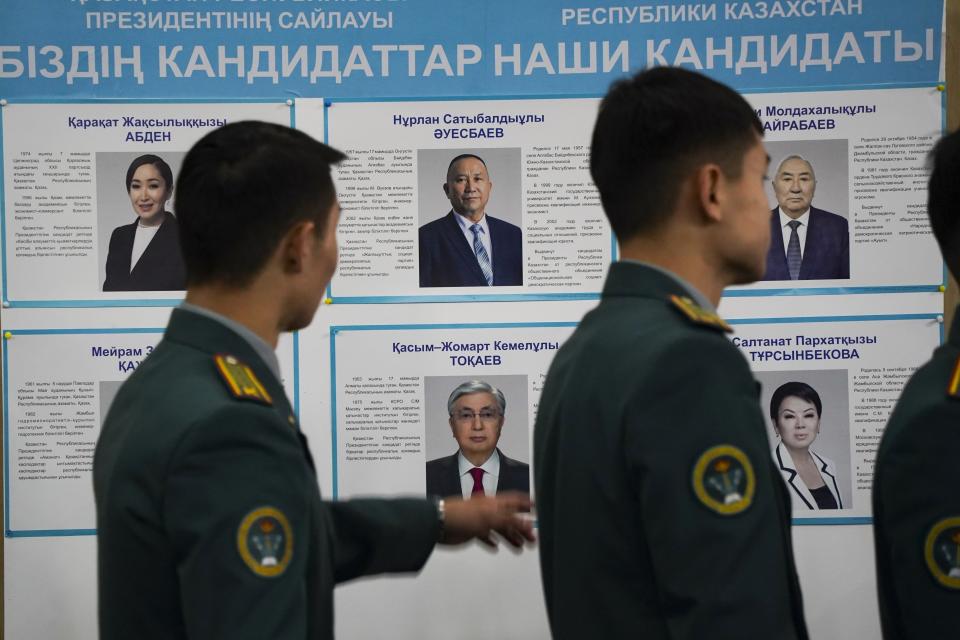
pixel 477 410
pixel 806 243
pixel 467 247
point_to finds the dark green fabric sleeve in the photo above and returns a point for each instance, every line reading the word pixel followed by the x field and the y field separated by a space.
pixel 718 576
pixel 917 483
pixel 234 461
pixel 379 536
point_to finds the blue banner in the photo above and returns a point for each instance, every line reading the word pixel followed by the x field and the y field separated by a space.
pixel 404 48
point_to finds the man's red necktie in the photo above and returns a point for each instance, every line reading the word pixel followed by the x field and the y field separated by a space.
pixel 477 474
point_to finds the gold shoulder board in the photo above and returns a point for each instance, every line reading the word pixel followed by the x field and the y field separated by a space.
pixel 240 379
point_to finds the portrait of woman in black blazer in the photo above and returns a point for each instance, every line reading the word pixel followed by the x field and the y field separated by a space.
pixel 145 254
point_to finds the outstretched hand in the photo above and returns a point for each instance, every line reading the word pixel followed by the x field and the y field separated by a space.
pixel 480 516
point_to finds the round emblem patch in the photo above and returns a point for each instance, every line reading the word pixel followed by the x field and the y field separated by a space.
pixel 723 480
pixel 941 550
pixel 265 541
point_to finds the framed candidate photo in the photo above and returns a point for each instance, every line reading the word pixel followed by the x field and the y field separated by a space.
pixel 503 169
pixel 134 191
pixel 477 428
pixel 470 218
pixel 809 200
pixel 808 418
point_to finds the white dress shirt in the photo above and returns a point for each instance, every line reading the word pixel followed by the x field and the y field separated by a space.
pixel 804 221
pixel 465 225
pixel 141 238
pixel 491 474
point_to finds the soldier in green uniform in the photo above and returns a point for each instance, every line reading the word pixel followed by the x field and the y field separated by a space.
pixel 661 514
pixel 209 517
pixel 916 502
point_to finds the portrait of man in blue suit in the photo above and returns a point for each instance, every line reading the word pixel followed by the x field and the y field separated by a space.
pixel 467 247
pixel 806 243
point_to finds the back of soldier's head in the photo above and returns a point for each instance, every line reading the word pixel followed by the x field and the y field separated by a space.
pixel 239 191
pixel 653 129
pixel 943 199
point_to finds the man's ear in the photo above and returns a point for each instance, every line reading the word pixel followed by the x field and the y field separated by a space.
pixel 446 189
pixel 297 246
pixel 710 184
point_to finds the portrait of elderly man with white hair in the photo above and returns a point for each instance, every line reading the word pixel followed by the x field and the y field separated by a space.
pixel 477 410
pixel 806 243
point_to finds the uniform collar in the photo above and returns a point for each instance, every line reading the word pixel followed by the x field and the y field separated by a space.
pixel 264 350
pixel 642 279
pixel 210 336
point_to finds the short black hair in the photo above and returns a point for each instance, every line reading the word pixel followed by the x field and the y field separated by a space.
pixel 652 129
pixel 241 188
pixel 943 198
pixel 464 156
pixel 797 390
pixel 156 161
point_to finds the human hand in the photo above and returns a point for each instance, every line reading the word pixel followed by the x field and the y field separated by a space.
pixel 480 516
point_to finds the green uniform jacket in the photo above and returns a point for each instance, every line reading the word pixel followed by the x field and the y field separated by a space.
pixel 916 485
pixel 639 394
pixel 180 465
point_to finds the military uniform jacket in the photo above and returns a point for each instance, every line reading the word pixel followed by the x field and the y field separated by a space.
pixel 209 517
pixel 648 433
pixel 916 503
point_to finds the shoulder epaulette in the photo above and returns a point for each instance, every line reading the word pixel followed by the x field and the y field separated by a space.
pixel 953 388
pixel 240 379
pixel 698 314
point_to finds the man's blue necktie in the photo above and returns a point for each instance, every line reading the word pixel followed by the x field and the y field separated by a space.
pixel 793 250
pixel 482 256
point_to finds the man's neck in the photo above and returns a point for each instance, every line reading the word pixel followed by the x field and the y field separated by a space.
pixel 794 215
pixel 472 217
pixel 477 459
pixel 246 306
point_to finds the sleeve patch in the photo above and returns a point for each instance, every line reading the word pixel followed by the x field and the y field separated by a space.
pixel 265 541
pixel 697 314
pixel 723 480
pixel 240 380
pixel 941 551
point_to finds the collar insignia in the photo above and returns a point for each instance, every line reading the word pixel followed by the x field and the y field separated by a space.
pixel 240 379
pixel 697 314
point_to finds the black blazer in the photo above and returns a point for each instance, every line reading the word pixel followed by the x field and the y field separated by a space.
pixel 443 476
pixel 447 259
pixel 826 253
pixel 160 268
